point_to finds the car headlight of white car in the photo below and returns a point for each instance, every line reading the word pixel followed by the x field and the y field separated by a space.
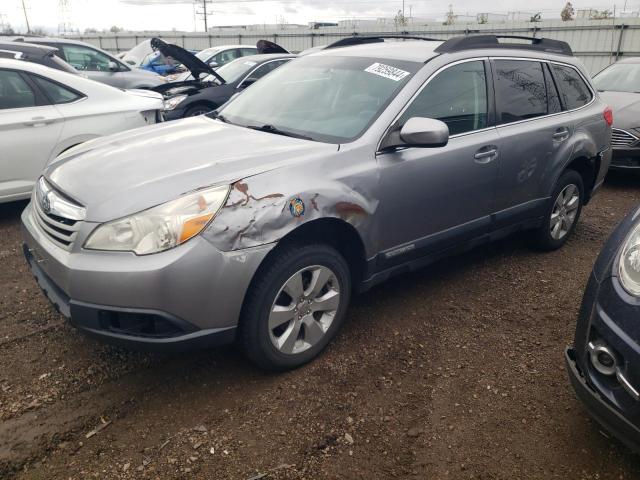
pixel 173 102
pixel 629 268
pixel 160 228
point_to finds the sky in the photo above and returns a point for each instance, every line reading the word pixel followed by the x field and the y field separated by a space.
pixel 179 14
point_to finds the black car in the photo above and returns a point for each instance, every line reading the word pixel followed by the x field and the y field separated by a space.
pixel 203 89
pixel 604 363
pixel 35 54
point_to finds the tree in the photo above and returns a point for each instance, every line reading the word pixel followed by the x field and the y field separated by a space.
pixel 567 12
pixel 483 18
pixel 90 30
pixel 7 30
pixel 115 29
pixel 400 20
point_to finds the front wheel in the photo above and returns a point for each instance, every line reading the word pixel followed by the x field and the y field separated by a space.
pixel 295 306
pixel 198 110
pixel 563 212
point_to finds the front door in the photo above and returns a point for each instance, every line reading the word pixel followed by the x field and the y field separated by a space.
pixel 29 130
pixel 433 198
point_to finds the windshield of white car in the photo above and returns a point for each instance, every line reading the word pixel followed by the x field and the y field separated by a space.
pixel 619 77
pixel 205 55
pixel 234 70
pixel 327 99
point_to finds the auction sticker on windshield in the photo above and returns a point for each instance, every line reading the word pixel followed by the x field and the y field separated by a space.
pixel 386 71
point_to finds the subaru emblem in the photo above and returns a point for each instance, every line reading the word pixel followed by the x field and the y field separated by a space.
pixel 46 204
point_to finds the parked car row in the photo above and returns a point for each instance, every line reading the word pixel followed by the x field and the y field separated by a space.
pixel 256 220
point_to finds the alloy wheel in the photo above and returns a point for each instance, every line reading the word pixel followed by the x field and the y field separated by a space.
pixel 564 211
pixel 304 309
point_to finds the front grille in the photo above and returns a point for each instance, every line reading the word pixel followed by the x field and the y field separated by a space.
pixel 62 219
pixel 622 139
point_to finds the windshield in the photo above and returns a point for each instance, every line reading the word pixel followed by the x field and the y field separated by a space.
pixel 232 71
pixel 619 77
pixel 205 55
pixel 329 99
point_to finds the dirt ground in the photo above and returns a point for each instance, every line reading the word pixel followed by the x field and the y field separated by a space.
pixel 455 371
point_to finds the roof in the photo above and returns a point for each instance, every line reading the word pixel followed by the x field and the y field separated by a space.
pixel 28 48
pixel 223 47
pixel 408 50
pixel 267 56
pixel 629 60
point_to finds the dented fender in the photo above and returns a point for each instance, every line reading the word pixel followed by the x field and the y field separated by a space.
pixel 257 212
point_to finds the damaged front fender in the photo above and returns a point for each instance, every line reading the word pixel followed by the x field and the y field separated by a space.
pixel 257 212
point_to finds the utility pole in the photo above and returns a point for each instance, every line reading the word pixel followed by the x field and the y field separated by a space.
pixel 204 14
pixel 26 18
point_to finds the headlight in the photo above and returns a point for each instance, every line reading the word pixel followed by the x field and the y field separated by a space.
pixel 162 227
pixel 173 102
pixel 629 268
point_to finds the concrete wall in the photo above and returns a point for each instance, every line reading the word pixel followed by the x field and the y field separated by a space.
pixel 597 42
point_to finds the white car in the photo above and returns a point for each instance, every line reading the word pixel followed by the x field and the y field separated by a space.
pixel 44 112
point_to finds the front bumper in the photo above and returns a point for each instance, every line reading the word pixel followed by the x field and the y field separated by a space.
pixel 186 297
pixel 599 409
pixel 175 114
pixel 625 159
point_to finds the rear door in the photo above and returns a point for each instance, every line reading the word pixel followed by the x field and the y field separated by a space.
pixel 533 137
pixel 29 127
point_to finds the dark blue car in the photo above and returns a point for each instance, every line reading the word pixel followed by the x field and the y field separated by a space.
pixel 604 363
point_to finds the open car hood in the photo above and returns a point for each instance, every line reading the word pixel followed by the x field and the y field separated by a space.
pixel 265 46
pixel 188 59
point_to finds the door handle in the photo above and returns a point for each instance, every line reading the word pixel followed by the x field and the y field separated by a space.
pixel 38 122
pixel 486 154
pixel 561 134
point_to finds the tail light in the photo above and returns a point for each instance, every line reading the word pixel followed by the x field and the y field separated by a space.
pixel 608 116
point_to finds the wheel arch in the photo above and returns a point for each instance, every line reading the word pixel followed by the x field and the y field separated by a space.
pixel 585 160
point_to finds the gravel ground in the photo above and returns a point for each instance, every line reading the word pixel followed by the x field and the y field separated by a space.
pixel 455 371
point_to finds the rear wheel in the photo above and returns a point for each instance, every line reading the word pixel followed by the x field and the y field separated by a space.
pixel 295 306
pixel 562 213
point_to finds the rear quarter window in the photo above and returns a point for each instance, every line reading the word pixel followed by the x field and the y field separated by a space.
pixel 574 91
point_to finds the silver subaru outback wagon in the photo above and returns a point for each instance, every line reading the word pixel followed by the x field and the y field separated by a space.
pixel 344 167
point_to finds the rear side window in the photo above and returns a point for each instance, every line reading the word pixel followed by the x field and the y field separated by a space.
pixel 573 90
pixel 552 92
pixel 520 90
pixel 56 92
pixel 261 71
pixel 14 91
pixel 457 96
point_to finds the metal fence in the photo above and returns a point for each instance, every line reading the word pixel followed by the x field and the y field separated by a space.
pixel 597 42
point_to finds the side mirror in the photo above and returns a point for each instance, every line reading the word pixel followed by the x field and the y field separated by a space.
pixel 213 64
pixel 425 132
pixel 418 132
pixel 113 66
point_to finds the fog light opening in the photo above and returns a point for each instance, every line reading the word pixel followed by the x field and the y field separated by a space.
pixel 602 359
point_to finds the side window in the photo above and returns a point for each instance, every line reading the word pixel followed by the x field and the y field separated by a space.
pixel 226 56
pixel 457 96
pixel 552 92
pixel 248 51
pixel 573 90
pixel 520 90
pixel 56 92
pixel 14 91
pixel 86 59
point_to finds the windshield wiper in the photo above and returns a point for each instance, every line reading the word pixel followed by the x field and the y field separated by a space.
pixel 277 131
pixel 218 116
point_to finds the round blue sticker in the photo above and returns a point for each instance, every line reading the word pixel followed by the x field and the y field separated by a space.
pixel 296 207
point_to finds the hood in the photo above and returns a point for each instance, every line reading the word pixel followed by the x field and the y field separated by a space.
pixel 626 108
pixel 265 46
pixel 139 92
pixel 122 174
pixel 188 59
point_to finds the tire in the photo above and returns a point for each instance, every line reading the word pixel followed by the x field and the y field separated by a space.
pixel 561 215
pixel 280 343
pixel 198 110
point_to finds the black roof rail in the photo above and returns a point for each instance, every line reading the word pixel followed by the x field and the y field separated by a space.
pixel 359 40
pixel 457 44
